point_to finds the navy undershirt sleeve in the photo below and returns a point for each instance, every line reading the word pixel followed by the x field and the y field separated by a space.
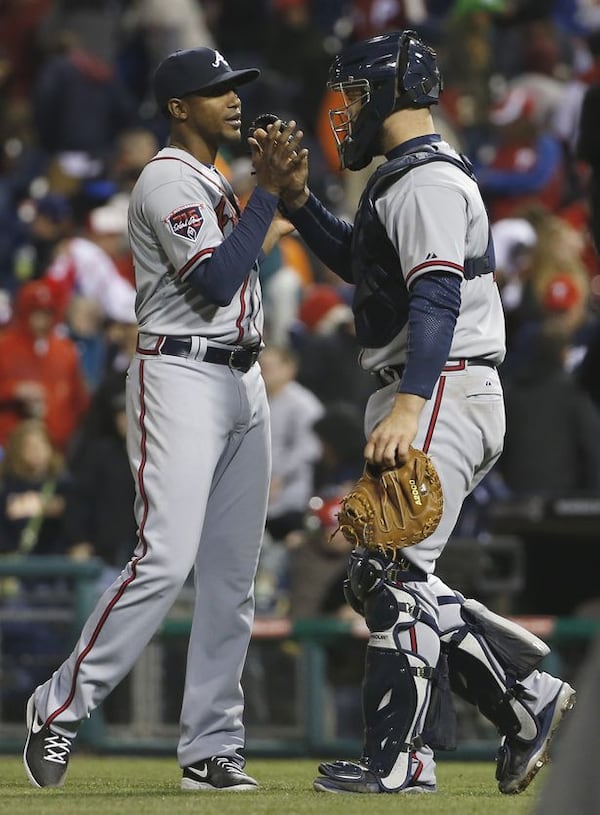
pixel 326 235
pixel 219 278
pixel 433 310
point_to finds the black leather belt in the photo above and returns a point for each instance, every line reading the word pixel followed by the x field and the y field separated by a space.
pixel 236 357
pixel 477 361
pixel 392 373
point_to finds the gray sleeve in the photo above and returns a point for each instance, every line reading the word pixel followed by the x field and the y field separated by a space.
pixel 427 223
pixel 182 216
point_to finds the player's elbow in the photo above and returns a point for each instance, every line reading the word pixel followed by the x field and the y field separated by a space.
pixel 211 287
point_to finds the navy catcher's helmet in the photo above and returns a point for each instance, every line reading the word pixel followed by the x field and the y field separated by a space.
pixel 377 77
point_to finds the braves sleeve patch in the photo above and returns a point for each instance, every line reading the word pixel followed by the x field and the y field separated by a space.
pixel 186 222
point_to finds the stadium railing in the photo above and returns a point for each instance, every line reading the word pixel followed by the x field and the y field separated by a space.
pixel 301 666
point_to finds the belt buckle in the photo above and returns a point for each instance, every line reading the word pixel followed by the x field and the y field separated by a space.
pixel 232 363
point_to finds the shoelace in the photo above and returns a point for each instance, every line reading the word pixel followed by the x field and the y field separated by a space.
pixel 57 749
pixel 227 763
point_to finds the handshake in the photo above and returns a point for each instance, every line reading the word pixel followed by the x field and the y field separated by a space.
pixel 295 168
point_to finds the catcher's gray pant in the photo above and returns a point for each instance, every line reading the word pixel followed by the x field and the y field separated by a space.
pixel 462 429
pixel 199 447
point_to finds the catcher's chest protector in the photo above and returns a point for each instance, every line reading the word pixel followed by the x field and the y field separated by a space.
pixel 380 302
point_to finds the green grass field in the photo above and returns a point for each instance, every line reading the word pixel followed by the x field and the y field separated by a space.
pixel 100 785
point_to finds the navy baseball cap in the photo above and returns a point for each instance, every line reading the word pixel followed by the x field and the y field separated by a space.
pixel 195 70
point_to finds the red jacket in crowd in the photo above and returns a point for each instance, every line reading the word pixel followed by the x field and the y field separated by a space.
pixel 40 373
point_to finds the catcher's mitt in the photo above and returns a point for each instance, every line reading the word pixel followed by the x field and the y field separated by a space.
pixel 389 509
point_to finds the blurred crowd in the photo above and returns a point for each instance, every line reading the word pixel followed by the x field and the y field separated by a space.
pixel 78 123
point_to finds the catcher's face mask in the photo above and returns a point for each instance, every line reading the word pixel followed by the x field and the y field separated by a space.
pixel 374 78
pixel 353 96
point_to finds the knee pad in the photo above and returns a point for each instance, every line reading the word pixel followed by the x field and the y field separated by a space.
pixel 352 599
pixel 365 574
pixel 390 609
pixel 382 612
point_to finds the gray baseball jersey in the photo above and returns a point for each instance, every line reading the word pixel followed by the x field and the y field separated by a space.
pixel 198 441
pixel 436 218
pixel 180 211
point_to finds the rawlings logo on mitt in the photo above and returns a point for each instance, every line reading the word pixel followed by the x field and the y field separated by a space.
pixel 389 509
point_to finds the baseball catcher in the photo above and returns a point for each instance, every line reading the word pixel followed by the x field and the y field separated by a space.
pixel 430 326
pixel 429 323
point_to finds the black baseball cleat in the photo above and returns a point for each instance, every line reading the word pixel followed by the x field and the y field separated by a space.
pixel 46 753
pixel 352 777
pixel 518 762
pixel 220 773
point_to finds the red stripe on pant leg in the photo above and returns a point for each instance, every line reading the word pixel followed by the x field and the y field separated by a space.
pixel 434 415
pixel 134 562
